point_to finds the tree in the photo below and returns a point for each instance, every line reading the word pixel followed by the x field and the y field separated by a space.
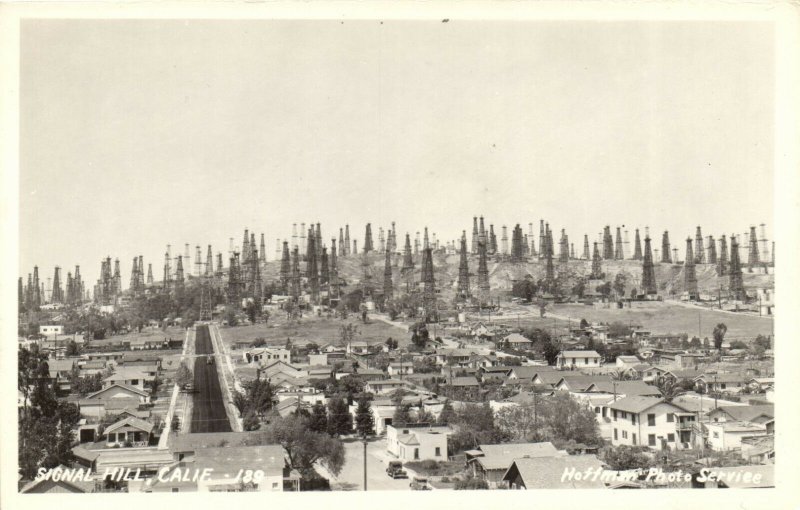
pixel 391 343
pixel 252 311
pixel 303 447
pixel 695 343
pixel 318 422
pixel 348 332
pixel 447 414
pixel 365 422
pixel 565 418
pixel 340 421
pixel 518 422
pixel 230 316
pixel 474 425
pixel 719 335
pixel 668 388
pixel 402 414
pixel 424 416
pixel 550 351
pixel 584 324
pixel 623 458
pixel 251 421
pixel 620 281
pixel 604 289
pixel 183 376
pixel 72 349
pixel 619 330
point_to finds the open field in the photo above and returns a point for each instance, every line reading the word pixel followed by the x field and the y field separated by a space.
pixel 147 333
pixel 319 330
pixel 673 318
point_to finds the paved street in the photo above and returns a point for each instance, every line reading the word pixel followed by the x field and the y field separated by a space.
pixel 208 412
pixel 352 475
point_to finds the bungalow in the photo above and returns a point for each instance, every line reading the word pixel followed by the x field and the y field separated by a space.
pixel 89 368
pixel 291 405
pixel 320 372
pixel 625 362
pixel 415 442
pixel 132 377
pixel 728 435
pixel 547 473
pixel 264 355
pixel 578 359
pixel 517 342
pixel 494 372
pixel 60 370
pixel 760 384
pixel 369 374
pixel 491 461
pixel 650 421
pixel 453 356
pixel 51 330
pixel 758 449
pixel 580 383
pixel 721 383
pixel 527 372
pixel 384 385
pixel 482 361
pixel 357 348
pixel 645 372
pixel 400 368
pixel 129 431
pixel 754 414
pixel 114 392
pixel 278 366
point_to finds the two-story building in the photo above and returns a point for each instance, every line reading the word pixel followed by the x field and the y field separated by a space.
pixel 651 422
pixel 413 442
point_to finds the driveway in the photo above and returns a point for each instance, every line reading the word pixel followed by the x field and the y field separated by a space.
pixel 352 475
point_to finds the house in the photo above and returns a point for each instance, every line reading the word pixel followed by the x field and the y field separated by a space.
pixel 357 348
pixel 651 422
pixel 491 461
pixel 548 473
pixel 517 342
pixel 645 372
pixel 762 415
pixel 760 384
pixel 116 396
pixel 412 442
pixel 369 374
pixel 625 362
pixel 728 435
pixel 625 388
pixel 527 372
pixel 400 368
pixel 453 356
pixel 290 405
pixel 132 377
pixel 129 430
pixel 89 368
pixel 578 359
pixel 320 372
pixel 51 330
pixel 758 449
pixel 223 464
pixel 721 383
pixel 280 366
pixel 60 370
pixel 265 355
pixel 580 383
pixel 494 372
pixel 384 385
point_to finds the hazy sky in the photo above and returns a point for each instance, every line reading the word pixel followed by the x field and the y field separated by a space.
pixel 135 134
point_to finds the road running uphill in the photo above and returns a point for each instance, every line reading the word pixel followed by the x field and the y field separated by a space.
pixel 208 412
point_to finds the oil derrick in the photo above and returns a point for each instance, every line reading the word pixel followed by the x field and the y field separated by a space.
pixel 312 271
pixel 245 245
pixel 504 241
pixel 198 262
pixel 666 254
pixel 563 249
pixel 333 275
pixel 79 286
pixel 516 244
pixel 474 245
pixel 407 271
pixel 149 274
pixel 608 243
pixel 347 240
pixel 69 292
pixel 773 253
pixel 722 260
pixel 425 244
pixel 764 246
pixel 462 293
pixel 341 242
pixel 234 280
pixel 712 250
pixel 134 275
pixel 58 293
pixel 619 253
pixel 205 302
pixel 753 256
pixel 324 269
pixel 366 276
pixel 140 275
pixel 179 272
pixel 210 259
pixel 393 246
pixel 117 279
pixel 382 246
pixel 303 246
pixel 429 287
pixel 29 293
pixel 597 269
pixel 533 252
pixel 736 283
pixel 318 241
pixel 549 274
pixel 219 264
pixel 689 274
pixel 37 289
pixel 388 289
pixel 572 251
pixel 255 287
pixel 637 247
pixel 167 282
pixel 368 239
pixel 648 271
pixel 700 254
pixel 262 255
pixel 416 244
pixel 542 239
pixel 482 235
pixel 277 248
pixel 525 246
pixel 294 236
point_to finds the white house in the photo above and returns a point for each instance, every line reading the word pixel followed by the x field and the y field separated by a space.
pixel 400 368
pixel 728 435
pixel 578 359
pixel 417 442
pixel 651 422
pixel 267 355
pixel 51 330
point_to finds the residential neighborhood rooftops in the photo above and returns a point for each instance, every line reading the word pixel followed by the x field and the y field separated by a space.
pixel 500 456
pixel 547 472
pixel 579 354
pixel 635 404
pixel 628 388
pixel 746 413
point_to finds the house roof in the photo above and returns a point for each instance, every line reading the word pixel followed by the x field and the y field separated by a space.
pixel 96 394
pixel 408 439
pixel 60 365
pixel 527 372
pixel 201 440
pixel 628 388
pixel 735 426
pixel 131 421
pixel 579 354
pixel 722 378
pixel 463 381
pixel 547 472
pixel 628 359
pixel 125 373
pixel 746 413
pixel 78 486
pixel 582 382
pixel 516 338
pixel 636 404
pixel 500 456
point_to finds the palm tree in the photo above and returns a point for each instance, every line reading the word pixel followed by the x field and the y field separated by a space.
pixel 668 388
pixel 719 335
pixel 621 375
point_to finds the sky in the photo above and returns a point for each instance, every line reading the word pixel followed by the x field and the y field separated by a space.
pixel 138 134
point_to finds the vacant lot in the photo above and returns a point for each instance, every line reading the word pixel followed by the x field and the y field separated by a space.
pixel 671 318
pixel 319 330
pixel 147 333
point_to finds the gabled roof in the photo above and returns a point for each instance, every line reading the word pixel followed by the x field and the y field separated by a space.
pixel 131 389
pixel 408 439
pixel 627 388
pixel 722 378
pixel 500 456
pixel 77 486
pixel 579 354
pixel 125 373
pixel 516 338
pixel 582 382
pixel 746 413
pixel 637 405
pixel 463 381
pixel 527 372
pixel 547 472
pixel 628 359
pixel 131 421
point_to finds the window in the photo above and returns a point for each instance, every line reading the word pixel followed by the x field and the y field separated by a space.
pixel 614 414
pixel 670 438
pixel 670 417
pixel 634 439
pixel 134 382
pixel 585 361
pixel 633 418
pixel 624 434
pixel 716 435
pixel 723 386
pixel 615 434
pixel 651 420
pixel 651 439
pixel 597 410
pixel 416 453
pixel 438 452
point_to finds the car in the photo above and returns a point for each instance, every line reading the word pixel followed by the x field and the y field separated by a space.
pixel 419 484
pixel 188 388
pixel 210 360
pixel 395 470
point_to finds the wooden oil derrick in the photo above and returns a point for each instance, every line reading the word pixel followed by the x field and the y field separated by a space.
pixel 712 250
pixel 619 252
pixel 294 278
pixel 597 267
pixel 429 287
pixel 484 290
pixel 550 275
pixel 149 274
pixel 388 288
pixel 736 283
pixel 312 271
pixel 637 247
pixel 563 249
pixel 648 271
pixel 585 247
pixel 167 281
pixel 407 271
pixel 333 276
pixel 462 291
pixel 234 280
pixel 689 273
pixel 699 254
pixel 722 260
pixel 286 269
pixel 666 254
pixel 324 270
pixel 368 239
pixel 542 240
pixel 753 255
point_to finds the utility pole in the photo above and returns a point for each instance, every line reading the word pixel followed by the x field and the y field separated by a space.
pixel 365 462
